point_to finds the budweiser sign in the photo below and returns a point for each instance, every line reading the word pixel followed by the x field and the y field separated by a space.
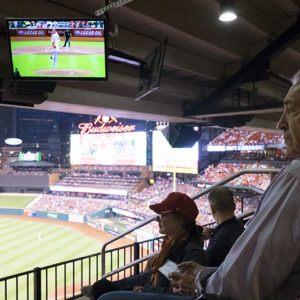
pixel 108 125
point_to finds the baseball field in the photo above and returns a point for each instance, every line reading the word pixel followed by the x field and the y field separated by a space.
pixel 26 243
pixel 34 58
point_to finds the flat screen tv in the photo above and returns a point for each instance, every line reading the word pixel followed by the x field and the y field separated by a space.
pixel 58 49
pixel 150 70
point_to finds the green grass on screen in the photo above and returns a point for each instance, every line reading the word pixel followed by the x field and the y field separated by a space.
pixel 26 63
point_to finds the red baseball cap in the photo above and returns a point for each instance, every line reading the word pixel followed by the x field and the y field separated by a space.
pixel 179 203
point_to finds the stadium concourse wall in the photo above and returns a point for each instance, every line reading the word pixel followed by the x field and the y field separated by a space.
pixel 25 183
pixel 138 235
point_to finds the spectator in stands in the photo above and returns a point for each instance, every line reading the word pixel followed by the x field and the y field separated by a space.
pixel 228 227
pixel 183 242
pixel 264 263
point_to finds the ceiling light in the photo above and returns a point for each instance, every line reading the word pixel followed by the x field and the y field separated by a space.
pixel 227 11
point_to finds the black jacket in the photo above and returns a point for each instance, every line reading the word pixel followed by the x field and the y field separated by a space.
pixel 190 249
pixel 224 236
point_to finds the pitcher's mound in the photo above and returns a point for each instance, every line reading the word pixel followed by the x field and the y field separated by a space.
pixel 63 72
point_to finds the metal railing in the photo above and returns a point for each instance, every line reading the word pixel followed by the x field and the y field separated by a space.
pixel 202 193
pixel 64 280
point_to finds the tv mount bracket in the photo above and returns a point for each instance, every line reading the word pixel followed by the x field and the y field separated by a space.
pixel 111 6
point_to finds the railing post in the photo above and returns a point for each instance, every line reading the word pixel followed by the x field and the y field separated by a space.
pixel 37 284
pixel 242 206
pixel 136 255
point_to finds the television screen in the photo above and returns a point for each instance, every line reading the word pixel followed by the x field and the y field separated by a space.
pixel 150 70
pixel 109 149
pixel 168 159
pixel 59 49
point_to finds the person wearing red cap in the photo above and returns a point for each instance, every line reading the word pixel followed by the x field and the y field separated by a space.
pixel 177 203
pixel 183 242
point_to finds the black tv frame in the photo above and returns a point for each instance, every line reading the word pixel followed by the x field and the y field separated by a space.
pixel 58 78
pixel 150 70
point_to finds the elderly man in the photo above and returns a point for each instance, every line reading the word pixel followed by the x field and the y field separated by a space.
pixel 264 263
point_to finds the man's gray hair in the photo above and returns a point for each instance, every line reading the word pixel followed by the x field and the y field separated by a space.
pixel 296 78
pixel 221 198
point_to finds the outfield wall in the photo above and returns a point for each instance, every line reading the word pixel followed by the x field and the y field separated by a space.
pixel 12 211
pixel 38 214
pixel 137 235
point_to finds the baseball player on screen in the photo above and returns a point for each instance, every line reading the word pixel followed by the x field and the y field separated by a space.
pixel 53 56
pixel 55 39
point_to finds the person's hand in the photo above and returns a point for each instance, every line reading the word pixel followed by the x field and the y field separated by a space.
pixel 182 283
pixel 137 288
pixel 207 232
pixel 190 267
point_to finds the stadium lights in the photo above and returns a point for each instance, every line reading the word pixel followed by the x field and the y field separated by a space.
pixel 161 125
pixel 227 11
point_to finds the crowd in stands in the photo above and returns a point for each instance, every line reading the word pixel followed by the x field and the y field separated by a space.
pixel 162 188
pixel 56 24
pixel 74 205
pixel 244 137
pixel 214 174
pixel 138 204
pixel 269 154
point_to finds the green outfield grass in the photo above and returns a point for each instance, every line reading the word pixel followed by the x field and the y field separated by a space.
pixel 7 201
pixel 26 244
pixel 26 63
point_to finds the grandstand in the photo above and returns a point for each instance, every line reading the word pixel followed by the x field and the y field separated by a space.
pixel 97 183
pixel 81 160
pixel 244 137
pixel 115 199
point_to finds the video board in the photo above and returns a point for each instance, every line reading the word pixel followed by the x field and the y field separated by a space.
pixel 168 159
pixel 109 149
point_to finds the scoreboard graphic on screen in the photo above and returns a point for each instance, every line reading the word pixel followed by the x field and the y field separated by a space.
pixel 168 159
pixel 109 149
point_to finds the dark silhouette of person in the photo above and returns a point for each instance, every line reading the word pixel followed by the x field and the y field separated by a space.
pixel 67 36
pixel 17 73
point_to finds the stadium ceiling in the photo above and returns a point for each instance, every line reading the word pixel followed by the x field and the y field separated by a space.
pixel 225 74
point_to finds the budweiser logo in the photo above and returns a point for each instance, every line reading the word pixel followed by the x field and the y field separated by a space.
pixel 87 128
